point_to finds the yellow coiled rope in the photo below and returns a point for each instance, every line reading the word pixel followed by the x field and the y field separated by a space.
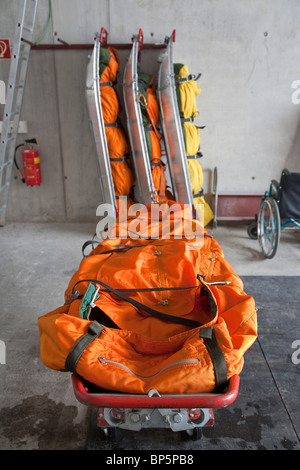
pixel 188 90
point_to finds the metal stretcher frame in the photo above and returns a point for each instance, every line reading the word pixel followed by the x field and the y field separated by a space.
pixel 134 412
pixel 135 126
pixel 172 127
pixel 123 400
pixel 93 97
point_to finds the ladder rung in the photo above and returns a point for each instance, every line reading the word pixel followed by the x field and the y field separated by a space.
pixel 5 165
pixel 3 187
pixel 9 139
pixel 13 113
pixel 23 57
pixel 28 28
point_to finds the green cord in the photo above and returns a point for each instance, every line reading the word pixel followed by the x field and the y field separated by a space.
pixel 48 24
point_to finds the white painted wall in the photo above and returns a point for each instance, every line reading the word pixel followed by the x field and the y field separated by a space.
pixel 247 52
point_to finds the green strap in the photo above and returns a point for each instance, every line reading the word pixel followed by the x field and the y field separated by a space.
pixel 81 344
pixel 217 356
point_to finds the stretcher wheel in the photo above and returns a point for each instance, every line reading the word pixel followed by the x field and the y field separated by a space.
pixel 109 433
pixel 97 434
pixel 195 434
pixel 268 227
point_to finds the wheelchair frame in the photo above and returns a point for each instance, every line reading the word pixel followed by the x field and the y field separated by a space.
pixel 269 223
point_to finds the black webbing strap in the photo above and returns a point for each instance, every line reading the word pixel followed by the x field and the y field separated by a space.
pixel 87 243
pixel 119 248
pixel 115 249
pixel 189 119
pixel 144 85
pixel 145 308
pixel 120 159
pixel 156 164
pixel 188 78
pixel 199 194
pixel 197 155
pixel 81 344
pixel 217 356
pixel 146 289
pixel 111 124
pixel 110 83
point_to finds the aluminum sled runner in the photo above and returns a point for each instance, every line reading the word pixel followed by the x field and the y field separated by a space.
pixel 97 123
pixel 136 132
pixel 171 124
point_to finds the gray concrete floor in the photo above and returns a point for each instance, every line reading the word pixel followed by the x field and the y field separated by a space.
pixel 38 409
pixel 245 254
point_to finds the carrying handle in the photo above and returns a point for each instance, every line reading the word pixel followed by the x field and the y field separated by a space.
pixel 168 38
pixel 103 37
pixel 141 39
pixel 140 43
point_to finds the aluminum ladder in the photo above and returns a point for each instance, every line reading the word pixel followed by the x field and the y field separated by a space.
pixel 15 90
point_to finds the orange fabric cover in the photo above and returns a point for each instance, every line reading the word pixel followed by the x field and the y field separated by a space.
pixel 150 110
pixel 116 139
pixel 143 352
pixel 109 74
pixel 110 104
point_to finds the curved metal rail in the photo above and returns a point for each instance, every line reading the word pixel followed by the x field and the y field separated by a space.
pixel 93 98
pixel 135 127
pixel 172 128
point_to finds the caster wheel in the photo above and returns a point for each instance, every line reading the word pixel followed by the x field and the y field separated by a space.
pixel 252 230
pixel 98 436
pixel 109 433
pixel 195 434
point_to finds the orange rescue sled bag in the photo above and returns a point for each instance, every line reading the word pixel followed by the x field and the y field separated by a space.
pixel 162 313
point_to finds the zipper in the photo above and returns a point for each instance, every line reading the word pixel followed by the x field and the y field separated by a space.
pixel 105 361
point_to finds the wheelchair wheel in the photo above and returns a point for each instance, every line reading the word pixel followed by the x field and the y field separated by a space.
pixel 268 227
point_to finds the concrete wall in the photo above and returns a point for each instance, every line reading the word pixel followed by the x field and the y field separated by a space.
pixel 247 52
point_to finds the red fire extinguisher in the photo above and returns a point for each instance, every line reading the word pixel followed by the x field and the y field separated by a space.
pixel 31 163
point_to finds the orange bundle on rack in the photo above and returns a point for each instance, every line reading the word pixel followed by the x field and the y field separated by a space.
pixel 150 113
pixel 117 141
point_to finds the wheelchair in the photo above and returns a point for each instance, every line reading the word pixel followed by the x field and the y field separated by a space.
pixel 279 209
